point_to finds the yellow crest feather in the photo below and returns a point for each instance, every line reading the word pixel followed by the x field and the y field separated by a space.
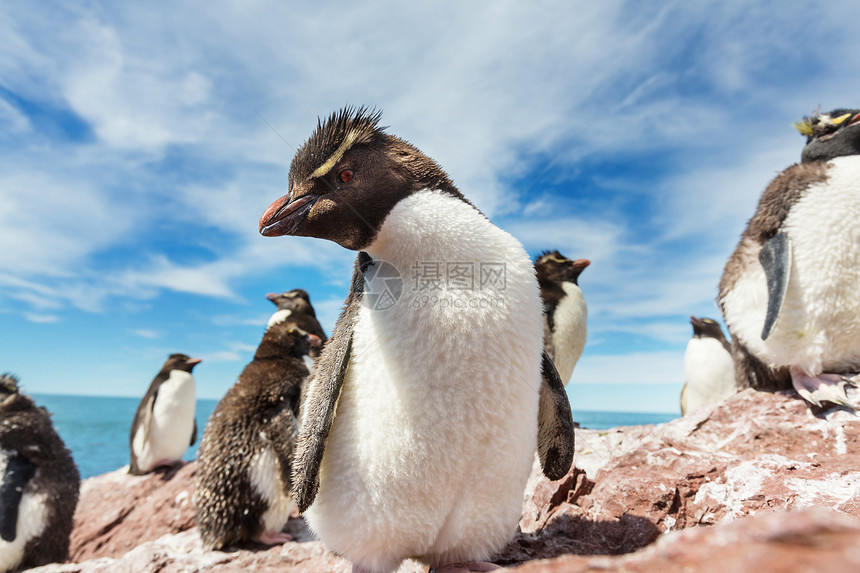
pixel 804 127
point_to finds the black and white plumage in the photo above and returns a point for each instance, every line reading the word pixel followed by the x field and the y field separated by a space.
pixel 789 291
pixel 164 424
pixel 709 371
pixel 294 306
pixel 39 484
pixel 410 402
pixel 565 310
pixel 242 486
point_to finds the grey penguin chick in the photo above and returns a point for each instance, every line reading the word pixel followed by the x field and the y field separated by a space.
pixel 39 484
pixel 423 414
pixel 565 310
pixel 709 371
pixel 295 306
pixel 164 424
pixel 242 485
pixel 788 292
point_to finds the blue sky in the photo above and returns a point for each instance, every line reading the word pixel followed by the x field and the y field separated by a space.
pixel 140 143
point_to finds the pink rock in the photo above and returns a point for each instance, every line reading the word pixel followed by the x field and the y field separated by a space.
pixel 758 484
pixel 813 540
pixel 757 452
pixel 117 511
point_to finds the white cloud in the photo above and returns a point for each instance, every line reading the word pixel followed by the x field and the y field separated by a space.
pixel 166 195
pixel 146 333
pixel 50 224
pixel 665 367
pixel 235 352
pixel 328 311
pixel 132 100
pixel 41 318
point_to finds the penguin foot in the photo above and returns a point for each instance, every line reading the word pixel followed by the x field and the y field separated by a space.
pixel 466 567
pixel 274 538
pixel 823 388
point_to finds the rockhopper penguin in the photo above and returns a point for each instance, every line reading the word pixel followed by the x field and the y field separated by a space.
pixel 39 484
pixel 709 372
pixel 565 311
pixel 295 307
pixel 164 424
pixel 242 486
pixel 789 291
pixel 423 414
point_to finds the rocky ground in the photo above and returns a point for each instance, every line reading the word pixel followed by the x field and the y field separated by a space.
pixel 755 484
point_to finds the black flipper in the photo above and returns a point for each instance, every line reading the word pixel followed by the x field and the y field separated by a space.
pixel 324 387
pixel 19 470
pixel 319 408
pixel 194 433
pixel 555 424
pixel 775 258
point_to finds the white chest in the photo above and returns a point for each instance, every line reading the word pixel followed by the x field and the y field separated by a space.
pixel 568 337
pixel 442 387
pixel 265 475
pixel 278 317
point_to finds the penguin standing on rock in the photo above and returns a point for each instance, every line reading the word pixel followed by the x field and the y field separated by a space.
pixel 433 392
pixel 39 484
pixel 709 371
pixel 295 306
pixel 164 424
pixel 565 311
pixel 789 291
pixel 242 486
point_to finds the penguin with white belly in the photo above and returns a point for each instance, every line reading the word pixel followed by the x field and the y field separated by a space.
pixel 242 486
pixel 164 424
pixel 39 484
pixel 709 372
pixel 565 311
pixel 789 291
pixel 433 392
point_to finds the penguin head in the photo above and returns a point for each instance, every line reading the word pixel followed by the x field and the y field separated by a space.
pixel 705 327
pixel 828 135
pixel 296 300
pixel 553 267
pixel 11 397
pixel 346 178
pixel 180 362
pixel 289 339
pixel 8 388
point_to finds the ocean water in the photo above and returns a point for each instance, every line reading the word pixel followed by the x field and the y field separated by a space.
pixel 96 428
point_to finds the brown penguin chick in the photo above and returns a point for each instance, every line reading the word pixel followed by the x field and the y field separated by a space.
pixel 39 484
pixel 243 473
pixel 565 310
pixel 295 307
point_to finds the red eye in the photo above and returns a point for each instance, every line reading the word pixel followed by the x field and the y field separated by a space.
pixel 346 175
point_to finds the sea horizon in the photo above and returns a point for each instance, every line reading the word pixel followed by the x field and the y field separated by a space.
pixel 96 428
